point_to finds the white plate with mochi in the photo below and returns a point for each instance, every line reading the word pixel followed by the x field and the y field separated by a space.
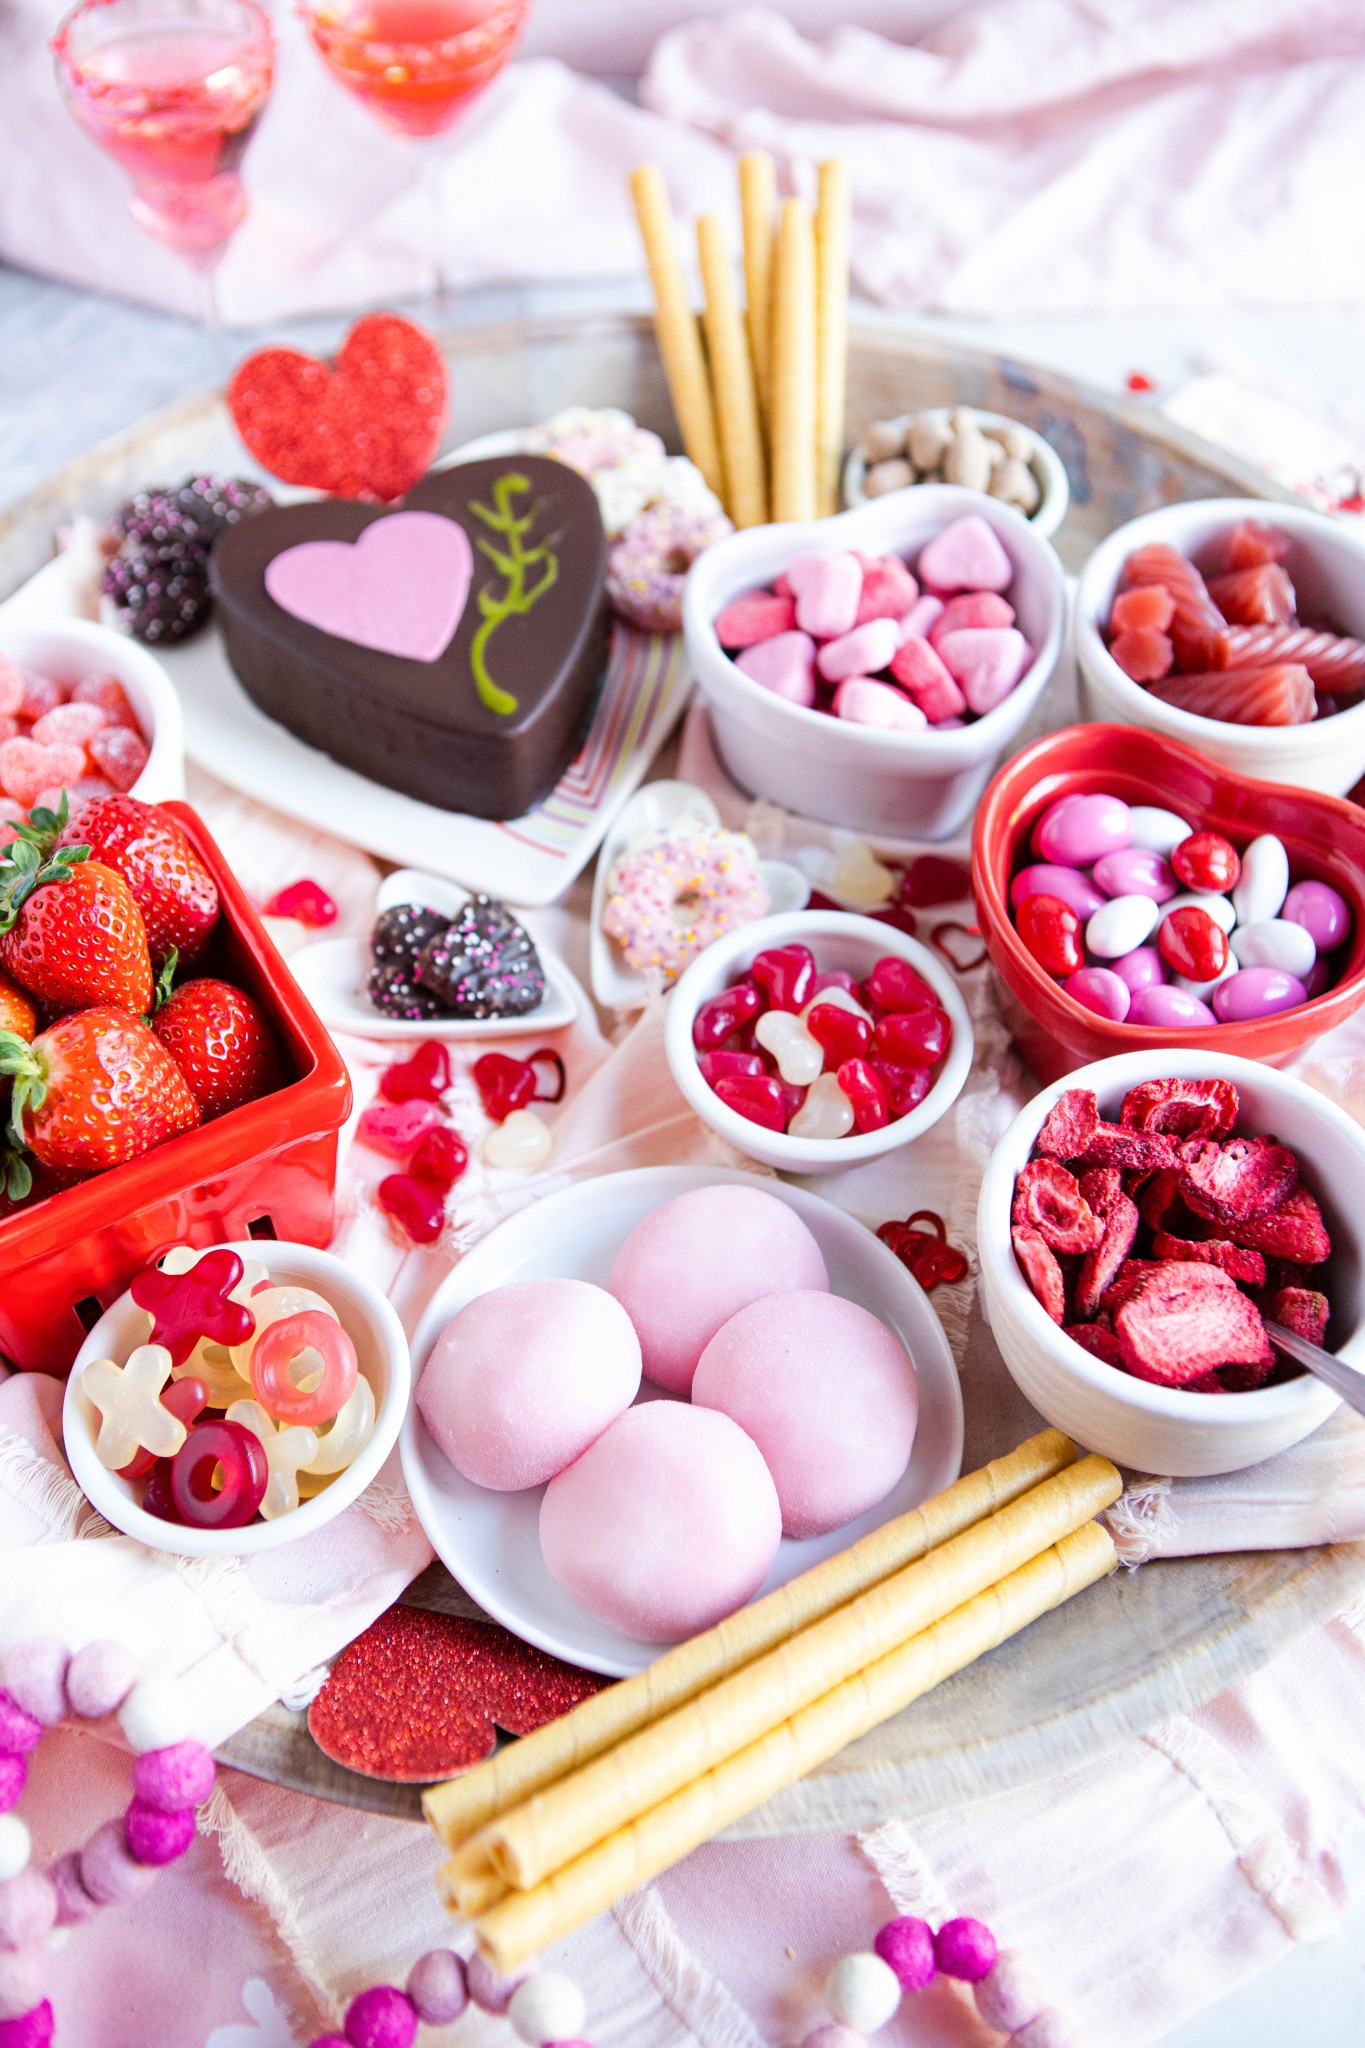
pixel 490 1541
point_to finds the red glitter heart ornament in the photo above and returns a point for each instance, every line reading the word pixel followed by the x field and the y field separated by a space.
pixel 420 1696
pixel 367 426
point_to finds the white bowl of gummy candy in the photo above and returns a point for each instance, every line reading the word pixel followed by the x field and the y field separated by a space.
pixel 383 1363
pixel 872 779
pixel 75 652
pixel 1325 565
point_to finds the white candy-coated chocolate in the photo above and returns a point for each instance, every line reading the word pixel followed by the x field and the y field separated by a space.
pixel 1275 942
pixel 1120 925
pixel 155 1715
pixel 1156 830
pixel 1218 907
pixel 1204 989
pixel 862 1992
pixel 1264 881
pixel 547 2007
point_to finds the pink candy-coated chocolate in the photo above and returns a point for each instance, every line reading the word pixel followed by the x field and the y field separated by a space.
pixel 785 665
pixel 109 1871
pixel 1132 871
pixel 860 653
pixel 863 701
pixel 1078 829
pixel 168 1779
pixel 20 1731
pixel 280 1345
pixel 827 589
pixel 1257 992
pixel 1322 912
pixel 1170 1009
pixel 35 1678
pixel 985 662
pixel 965 1949
pixel 1101 991
pixel 156 1838
pixel 966 555
pixel 101 1675
pixel 23 1979
pixel 1045 878
pixel 32 2029
pixel 1142 968
pixel 382 2017
pixel 28 1908
pixel 907 1946
pixel 397 1127
pixel 437 1987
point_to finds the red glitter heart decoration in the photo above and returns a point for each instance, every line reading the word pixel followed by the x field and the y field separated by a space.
pixel 420 1696
pixel 367 426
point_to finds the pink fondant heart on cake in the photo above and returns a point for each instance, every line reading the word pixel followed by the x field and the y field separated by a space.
pixel 400 588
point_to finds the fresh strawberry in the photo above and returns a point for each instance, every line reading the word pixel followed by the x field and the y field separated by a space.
pixel 171 886
pixel 70 931
pixel 95 1090
pixel 17 1013
pixel 221 1043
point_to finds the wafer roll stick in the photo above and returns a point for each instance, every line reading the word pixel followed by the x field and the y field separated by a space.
pixel 757 197
pixel 459 1808
pixel 675 324
pixel 732 380
pixel 791 437
pixel 568 1818
pixel 525 1922
pixel 831 298
pixel 471 1882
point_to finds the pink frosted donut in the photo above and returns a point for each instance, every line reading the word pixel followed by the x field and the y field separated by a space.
pixel 648 565
pixel 693 1263
pixel 826 1393
pixel 670 898
pixel 666 1525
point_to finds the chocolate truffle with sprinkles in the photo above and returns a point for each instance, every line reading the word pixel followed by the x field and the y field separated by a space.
pixel 484 965
pixel 396 943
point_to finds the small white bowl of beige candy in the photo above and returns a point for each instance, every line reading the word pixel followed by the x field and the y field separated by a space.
pixel 982 451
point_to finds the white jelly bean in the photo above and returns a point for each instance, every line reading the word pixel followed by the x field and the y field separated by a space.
pixel 1156 830
pixel 838 999
pixel 1275 942
pixel 1264 881
pixel 825 1113
pixel 1218 907
pixel 800 1058
pixel 1120 925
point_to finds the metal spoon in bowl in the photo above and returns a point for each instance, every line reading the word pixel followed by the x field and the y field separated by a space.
pixel 1346 1380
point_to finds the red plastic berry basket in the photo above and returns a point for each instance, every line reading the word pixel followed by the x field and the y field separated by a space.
pixel 1323 835
pixel 265 1170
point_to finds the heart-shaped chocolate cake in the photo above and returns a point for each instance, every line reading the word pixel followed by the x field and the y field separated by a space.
pixel 450 648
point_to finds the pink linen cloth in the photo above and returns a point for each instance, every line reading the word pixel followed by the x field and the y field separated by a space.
pixel 1025 155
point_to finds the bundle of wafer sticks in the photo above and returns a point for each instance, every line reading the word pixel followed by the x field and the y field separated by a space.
pixel 758 397
pixel 554 1828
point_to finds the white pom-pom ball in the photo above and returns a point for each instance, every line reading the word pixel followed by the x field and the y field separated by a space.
pixel 862 1992
pixel 155 1715
pixel 15 1845
pixel 547 2007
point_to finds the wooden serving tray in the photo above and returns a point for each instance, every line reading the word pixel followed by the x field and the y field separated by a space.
pixel 1134 1650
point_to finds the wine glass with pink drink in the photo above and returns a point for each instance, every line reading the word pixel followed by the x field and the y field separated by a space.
pixel 173 90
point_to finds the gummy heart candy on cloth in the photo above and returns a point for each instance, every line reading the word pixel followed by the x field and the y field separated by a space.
pixel 366 426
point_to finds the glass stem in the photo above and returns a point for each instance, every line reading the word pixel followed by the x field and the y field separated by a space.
pixel 431 157
pixel 207 292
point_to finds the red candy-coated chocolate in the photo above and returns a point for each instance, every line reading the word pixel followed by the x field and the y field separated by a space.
pixel 721 1016
pixel 906 1087
pixel 306 901
pixel 439 1160
pixel 784 975
pixel 426 1076
pixel 185 1399
pixel 866 1090
pixel 1206 860
pixel 504 1084
pixel 1192 944
pixel 418 1207
pixel 914 1038
pixel 187 1306
pixel 841 1035
pixel 715 1066
pixel 1052 932
pixel 894 985
pixel 758 1097
pixel 209 1447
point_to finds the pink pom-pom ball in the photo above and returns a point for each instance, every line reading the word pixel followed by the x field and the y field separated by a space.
pixel 169 1779
pixel 35 1677
pixel 13 1777
pixel 109 1870
pixel 436 1985
pixel 28 1908
pixel 1051 2029
pixel 19 1732
pixel 33 2029
pixel 833 2035
pixel 99 1679
pixel 157 1838
pixel 23 1979
pixel 74 1903
pixel 489 1991
pixel 966 1949
pixel 381 2017
pixel 331 2041
pixel 1011 1995
pixel 907 1944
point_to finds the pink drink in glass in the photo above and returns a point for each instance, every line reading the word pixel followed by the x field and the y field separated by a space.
pixel 415 63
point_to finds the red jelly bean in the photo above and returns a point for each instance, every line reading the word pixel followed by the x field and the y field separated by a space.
pixel 757 1097
pixel 1051 931
pixel 837 977
pixel 720 1017
pixel 185 1400
pixel 1207 861
pixel 1192 944
pixel 236 1456
pixel 894 985
pixel 785 975
pixel 504 1084
pixel 715 1066
pixel 843 1036
pixel 792 1099
pixel 418 1207
pixel 425 1077
pixel 916 1038
pixel 307 901
pixel 439 1160
pixel 930 880
pixel 906 1087
pixel 866 1090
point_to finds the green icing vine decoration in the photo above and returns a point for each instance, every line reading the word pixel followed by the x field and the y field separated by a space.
pixel 513 560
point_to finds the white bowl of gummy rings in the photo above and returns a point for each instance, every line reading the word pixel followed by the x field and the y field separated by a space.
pixel 236 1398
pixel 1237 626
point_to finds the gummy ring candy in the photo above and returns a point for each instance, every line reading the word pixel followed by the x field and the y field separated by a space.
pixel 233 1454
pixel 280 1347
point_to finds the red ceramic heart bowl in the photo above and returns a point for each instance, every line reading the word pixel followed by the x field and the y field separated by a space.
pixel 1324 837
pixel 267 1169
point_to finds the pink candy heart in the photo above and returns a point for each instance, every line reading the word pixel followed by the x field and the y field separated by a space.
pixel 827 589
pixel 26 769
pixel 861 652
pixel 888 588
pixel 987 661
pixel 398 1127
pixel 918 669
pixel 865 702
pixel 400 588
pixel 968 555
pixel 785 665
pixel 922 617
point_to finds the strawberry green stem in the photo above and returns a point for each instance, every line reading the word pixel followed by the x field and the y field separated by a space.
pixel 28 1071
pixel 33 859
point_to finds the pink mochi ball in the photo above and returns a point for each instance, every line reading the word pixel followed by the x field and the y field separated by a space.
pixel 826 1393
pixel 691 1264
pixel 666 1525
pixel 525 1377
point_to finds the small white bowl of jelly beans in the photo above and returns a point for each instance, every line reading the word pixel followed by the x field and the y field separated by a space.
pixel 235 1398
pixel 818 1039
pixel 1143 919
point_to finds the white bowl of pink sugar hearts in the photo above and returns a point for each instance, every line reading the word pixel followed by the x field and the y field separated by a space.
pixel 869 670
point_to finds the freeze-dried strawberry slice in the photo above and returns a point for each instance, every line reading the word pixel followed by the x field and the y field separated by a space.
pixel 1103 1190
pixel 1038 1263
pixel 1181 1108
pixel 1295 1231
pixel 1207 1383
pixel 1130 1151
pixel 1071 1122
pixel 1183 1320
pixel 1125 1280
pixel 1237 1181
pixel 1048 1199
pixel 1232 1259
pixel 1287 1272
pixel 1159 1198
pixel 1301 1309
pixel 1098 1339
pixel 1244 1379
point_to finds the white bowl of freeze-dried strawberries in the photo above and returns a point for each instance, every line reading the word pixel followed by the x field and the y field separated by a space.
pixel 1139 1223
